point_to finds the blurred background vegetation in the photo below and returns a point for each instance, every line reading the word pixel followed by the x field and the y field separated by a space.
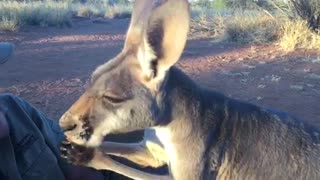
pixel 291 23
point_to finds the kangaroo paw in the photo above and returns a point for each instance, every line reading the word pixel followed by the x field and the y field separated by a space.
pixel 76 154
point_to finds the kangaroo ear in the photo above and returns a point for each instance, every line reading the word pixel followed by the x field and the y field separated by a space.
pixel 139 19
pixel 158 31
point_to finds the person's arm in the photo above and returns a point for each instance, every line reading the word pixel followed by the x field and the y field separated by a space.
pixel 4 128
pixel 6 50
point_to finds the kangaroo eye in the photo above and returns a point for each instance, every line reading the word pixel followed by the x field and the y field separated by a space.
pixel 113 99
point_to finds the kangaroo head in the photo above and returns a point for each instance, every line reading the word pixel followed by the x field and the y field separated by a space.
pixel 125 94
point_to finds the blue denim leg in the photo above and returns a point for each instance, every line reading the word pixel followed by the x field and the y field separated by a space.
pixel 31 151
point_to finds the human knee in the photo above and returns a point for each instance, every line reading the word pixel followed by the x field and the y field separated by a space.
pixel 6 98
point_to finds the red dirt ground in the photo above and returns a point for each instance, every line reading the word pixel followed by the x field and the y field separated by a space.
pixel 51 68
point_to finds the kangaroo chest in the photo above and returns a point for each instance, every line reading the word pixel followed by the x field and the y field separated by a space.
pixel 165 137
pixel 183 159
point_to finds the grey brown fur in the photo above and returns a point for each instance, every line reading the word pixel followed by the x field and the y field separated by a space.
pixel 197 133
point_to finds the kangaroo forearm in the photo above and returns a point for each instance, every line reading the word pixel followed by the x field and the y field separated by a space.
pixel 136 174
pixel 120 148
pixel 134 152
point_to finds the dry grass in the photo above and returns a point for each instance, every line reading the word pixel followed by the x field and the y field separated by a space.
pixel 296 34
pixel 84 11
pixel 9 24
pixel 34 13
pixel 308 10
pixel 14 14
pixel 256 26
pixel 89 10
pixel 240 27
pixel 208 22
pixel 222 24
pixel 252 27
pixel 102 10
pixel 118 11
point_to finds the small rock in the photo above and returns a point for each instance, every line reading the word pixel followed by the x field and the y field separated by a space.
pixel 244 80
pixel 259 98
pixel 307 70
pixel 275 78
pixel 226 60
pixel 316 60
pixel 253 49
pixel 305 60
pixel 261 86
pixel 297 87
pixel 249 66
pixel 311 85
pixel 316 90
pixel 37 102
pixel 224 72
pixel 314 76
pixel 236 74
pixel 77 80
pixel 245 73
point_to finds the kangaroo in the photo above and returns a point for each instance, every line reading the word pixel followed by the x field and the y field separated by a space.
pixel 197 133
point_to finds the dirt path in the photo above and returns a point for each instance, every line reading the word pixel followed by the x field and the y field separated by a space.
pixel 51 67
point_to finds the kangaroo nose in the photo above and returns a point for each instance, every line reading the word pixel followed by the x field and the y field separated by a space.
pixel 69 128
pixel 67 122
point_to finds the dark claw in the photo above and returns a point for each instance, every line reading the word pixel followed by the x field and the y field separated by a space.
pixel 66 142
pixel 76 154
pixel 64 156
pixel 63 148
pixel 64 153
pixel 70 162
pixel 86 128
pixel 85 123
